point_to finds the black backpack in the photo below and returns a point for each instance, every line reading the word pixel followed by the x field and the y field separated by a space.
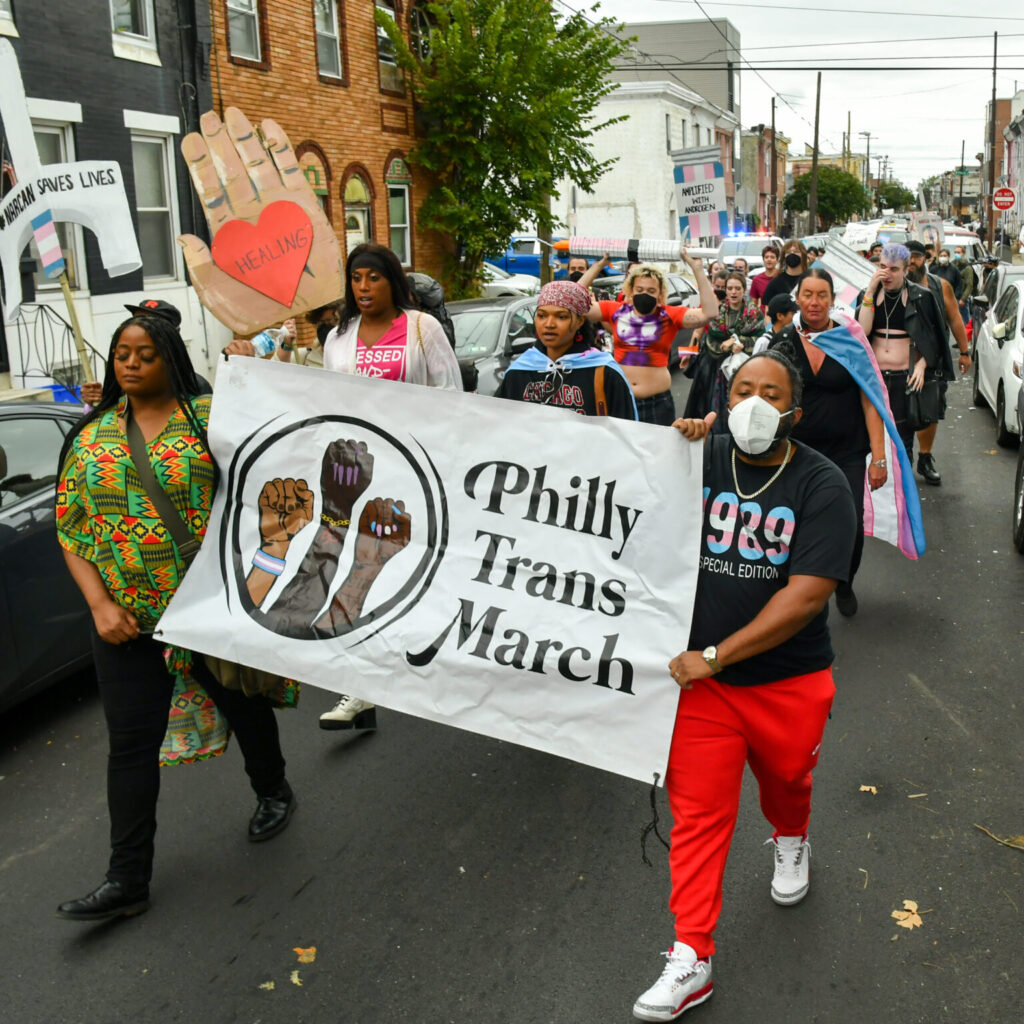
pixel 430 297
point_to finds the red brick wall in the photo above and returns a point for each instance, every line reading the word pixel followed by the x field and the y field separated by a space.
pixel 346 119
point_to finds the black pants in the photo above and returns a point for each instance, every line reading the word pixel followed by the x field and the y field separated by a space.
pixel 135 688
pixel 896 385
pixel 659 408
pixel 853 469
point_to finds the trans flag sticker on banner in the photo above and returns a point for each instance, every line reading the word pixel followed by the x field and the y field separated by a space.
pixel 700 192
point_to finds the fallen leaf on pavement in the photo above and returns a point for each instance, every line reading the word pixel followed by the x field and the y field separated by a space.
pixel 865 877
pixel 295 979
pixel 306 956
pixel 873 790
pixel 1016 842
pixel 908 917
pixel 915 796
pixel 267 986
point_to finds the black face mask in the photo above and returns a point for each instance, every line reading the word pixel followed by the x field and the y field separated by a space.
pixel 644 303
pixel 322 330
pixel 720 294
pixel 793 260
pixel 575 275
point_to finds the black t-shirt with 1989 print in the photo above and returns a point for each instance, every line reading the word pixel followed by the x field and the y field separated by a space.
pixel 804 524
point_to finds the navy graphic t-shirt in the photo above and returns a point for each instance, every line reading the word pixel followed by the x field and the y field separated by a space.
pixel 804 525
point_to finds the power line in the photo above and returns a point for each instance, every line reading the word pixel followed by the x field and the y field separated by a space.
pixel 823 67
pixel 835 10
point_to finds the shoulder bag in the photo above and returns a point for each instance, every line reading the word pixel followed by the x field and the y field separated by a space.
pixel 231 675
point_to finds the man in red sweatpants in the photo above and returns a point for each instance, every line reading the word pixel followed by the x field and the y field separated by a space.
pixel 777 534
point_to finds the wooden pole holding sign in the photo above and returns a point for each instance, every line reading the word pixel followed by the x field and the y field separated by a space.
pixel 76 329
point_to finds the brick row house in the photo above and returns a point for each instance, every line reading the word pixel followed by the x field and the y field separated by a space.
pixel 325 72
pixel 126 79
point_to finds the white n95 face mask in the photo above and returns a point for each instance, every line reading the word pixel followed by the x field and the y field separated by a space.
pixel 754 424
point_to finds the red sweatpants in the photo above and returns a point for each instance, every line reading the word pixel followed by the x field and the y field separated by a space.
pixel 777 728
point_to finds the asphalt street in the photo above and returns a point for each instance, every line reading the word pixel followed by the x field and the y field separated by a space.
pixel 445 877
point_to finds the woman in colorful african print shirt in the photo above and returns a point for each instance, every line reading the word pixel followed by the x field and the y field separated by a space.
pixel 643 328
pixel 128 568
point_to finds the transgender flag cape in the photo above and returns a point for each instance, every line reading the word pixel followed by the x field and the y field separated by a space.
pixel 893 512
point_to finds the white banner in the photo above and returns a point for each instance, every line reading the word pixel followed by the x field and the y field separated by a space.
pixel 507 568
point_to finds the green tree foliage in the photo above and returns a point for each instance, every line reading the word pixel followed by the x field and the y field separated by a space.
pixel 894 195
pixel 505 101
pixel 840 194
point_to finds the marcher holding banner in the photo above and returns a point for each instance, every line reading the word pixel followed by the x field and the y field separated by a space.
pixel 563 368
pixel 643 328
pixel 756 675
pixel 380 334
pixel 128 568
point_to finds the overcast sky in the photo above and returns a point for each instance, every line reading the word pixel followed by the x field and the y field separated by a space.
pixel 916 118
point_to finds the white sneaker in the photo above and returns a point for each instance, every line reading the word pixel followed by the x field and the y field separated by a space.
pixel 684 983
pixel 350 713
pixel 792 876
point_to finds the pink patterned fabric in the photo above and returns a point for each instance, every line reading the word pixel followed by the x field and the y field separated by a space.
pixel 567 294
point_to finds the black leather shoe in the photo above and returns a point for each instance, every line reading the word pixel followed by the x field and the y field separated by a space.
pixel 272 815
pixel 926 467
pixel 111 899
pixel 846 600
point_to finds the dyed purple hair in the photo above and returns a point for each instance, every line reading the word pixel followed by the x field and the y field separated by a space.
pixel 896 253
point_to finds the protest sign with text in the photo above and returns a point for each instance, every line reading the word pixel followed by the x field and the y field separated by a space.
pixel 701 199
pixel 510 569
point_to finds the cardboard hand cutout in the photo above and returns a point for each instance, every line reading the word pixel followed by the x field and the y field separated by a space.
pixel 274 253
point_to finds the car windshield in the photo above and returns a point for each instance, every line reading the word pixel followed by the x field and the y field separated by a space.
pixel 890 236
pixel 608 287
pixel 493 273
pixel 476 331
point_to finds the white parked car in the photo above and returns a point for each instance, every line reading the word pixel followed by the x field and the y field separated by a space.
pixel 999 362
pixel 498 282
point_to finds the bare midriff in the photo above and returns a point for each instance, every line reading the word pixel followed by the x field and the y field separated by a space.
pixel 648 380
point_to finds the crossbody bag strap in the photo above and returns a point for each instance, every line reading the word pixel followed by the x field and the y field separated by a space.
pixel 600 401
pixel 187 544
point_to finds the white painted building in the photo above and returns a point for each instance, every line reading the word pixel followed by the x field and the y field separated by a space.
pixel 635 198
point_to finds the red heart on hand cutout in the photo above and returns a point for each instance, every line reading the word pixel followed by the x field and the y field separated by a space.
pixel 268 256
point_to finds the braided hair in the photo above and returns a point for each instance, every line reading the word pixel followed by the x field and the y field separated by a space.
pixel 184 382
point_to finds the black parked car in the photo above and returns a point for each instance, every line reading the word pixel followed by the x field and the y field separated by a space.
pixel 44 621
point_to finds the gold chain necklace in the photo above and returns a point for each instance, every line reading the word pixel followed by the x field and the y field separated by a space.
pixel 775 475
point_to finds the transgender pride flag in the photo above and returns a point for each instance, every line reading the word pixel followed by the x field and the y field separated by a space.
pixel 893 512
pixel 45 233
pixel 700 192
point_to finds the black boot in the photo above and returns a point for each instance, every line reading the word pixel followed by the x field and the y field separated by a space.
pixel 846 600
pixel 273 812
pixel 926 467
pixel 111 899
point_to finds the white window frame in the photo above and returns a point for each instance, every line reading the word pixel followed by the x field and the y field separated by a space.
pixel 139 47
pixel 389 7
pixel 76 242
pixel 247 8
pixel 7 19
pixel 407 226
pixel 326 39
pixel 167 143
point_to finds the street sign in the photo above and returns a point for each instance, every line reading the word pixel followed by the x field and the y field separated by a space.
pixel 1004 198
pixel 964 171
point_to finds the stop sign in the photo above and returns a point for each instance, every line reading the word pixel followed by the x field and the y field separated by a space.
pixel 1003 198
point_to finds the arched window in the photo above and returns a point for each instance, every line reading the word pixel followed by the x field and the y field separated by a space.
pixel 358 202
pixel 421 26
pixel 317 171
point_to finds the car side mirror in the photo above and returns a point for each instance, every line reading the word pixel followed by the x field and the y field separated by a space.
pixel 521 345
pixel 980 301
pixel 3 463
pixel 999 331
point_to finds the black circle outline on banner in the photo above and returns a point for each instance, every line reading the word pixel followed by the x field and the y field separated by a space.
pixel 437 526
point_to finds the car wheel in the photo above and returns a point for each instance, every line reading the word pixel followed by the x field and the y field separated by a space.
pixel 976 396
pixel 1018 504
pixel 1004 437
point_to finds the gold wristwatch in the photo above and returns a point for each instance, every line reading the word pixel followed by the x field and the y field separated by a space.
pixel 710 655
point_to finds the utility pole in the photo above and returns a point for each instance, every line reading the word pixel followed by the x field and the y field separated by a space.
pixel 989 216
pixel 962 175
pixel 849 142
pixel 812 202
pixel 867 172
pixel 774 207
